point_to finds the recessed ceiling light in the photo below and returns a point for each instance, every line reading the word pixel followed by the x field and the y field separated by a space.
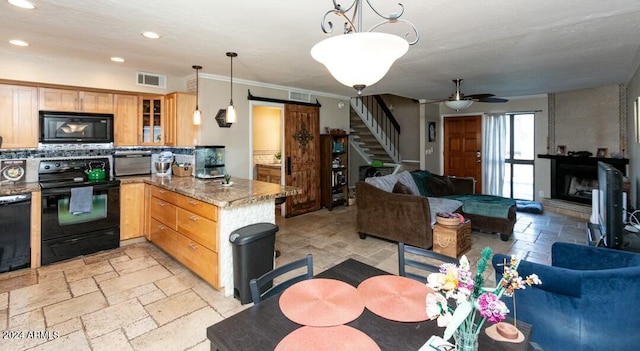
pixel 17 42
pixel 22 4
pixel 151 35
pixel 117 59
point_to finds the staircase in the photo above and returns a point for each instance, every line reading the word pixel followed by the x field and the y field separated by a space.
pixel 375 134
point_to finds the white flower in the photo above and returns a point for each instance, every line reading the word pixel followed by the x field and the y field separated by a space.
pixel 533 279
pixel 437 308
pixel 435 281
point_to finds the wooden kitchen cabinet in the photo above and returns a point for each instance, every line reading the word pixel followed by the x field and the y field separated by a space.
pixel 187 229
pixel 151 114
pixel 131 210
pixel 269 174
pixel 51 99
pixel 18 116
pixel 179 129
pixel 125 125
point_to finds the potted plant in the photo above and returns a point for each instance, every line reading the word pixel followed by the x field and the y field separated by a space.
pixel 278 156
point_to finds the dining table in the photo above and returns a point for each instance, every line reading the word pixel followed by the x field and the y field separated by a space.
pixel 264 325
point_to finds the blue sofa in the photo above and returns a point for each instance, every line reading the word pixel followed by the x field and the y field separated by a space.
pixel 589 299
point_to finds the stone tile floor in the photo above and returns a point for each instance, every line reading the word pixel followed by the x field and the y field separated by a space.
pixel 138 298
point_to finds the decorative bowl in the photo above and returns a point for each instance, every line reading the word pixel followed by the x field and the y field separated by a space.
pixel 450 222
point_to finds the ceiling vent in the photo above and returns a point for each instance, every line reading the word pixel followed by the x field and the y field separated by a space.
pixel 152 80
pixel 299 96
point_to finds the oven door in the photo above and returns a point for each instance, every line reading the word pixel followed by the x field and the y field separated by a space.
pixel 67 235
pixel 58 221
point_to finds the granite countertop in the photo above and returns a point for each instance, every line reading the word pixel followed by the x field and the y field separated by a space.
pixel 270 165
pixel 243 191
pixel 13 188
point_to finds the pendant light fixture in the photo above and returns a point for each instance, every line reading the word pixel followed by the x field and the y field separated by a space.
pixel 359 59
pixel 197 117
pixel 231 111
pixel 226 117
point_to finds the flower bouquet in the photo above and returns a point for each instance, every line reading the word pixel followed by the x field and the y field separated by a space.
pixel 473 303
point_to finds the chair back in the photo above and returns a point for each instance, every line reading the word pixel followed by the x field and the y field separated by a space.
pixel 428 261
pixel 257 285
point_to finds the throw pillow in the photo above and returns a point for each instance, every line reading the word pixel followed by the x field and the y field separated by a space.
pixel 440 185
pixel 400 188
pixel 420 178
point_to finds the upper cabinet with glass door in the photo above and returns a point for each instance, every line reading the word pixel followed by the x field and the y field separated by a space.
pixel 152 117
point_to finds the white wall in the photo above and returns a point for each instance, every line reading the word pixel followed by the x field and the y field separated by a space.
pixel 633 92
pixel 215 95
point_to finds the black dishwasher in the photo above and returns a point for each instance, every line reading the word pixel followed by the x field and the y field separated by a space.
pixel 15 237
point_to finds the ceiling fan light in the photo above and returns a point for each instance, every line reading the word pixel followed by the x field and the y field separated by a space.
pixel 362 58
pixel 458 105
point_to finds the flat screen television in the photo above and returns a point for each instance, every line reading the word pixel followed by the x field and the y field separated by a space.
pixel 610 205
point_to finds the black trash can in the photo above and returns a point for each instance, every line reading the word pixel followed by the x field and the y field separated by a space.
pixel 253 250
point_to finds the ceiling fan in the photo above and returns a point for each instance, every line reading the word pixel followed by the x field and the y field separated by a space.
pixel 458 101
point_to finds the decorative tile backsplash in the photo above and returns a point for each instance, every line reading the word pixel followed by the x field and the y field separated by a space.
pixel 264 156
pixel 37 153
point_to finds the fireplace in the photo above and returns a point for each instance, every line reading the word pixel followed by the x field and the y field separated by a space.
pixel 574 178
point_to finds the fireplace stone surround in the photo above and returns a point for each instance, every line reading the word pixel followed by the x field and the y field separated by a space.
pixel 573 177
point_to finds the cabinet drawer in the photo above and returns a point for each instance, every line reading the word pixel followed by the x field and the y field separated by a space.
pixel 164 237
pixel 166 195
pixel 199 259
pixel 163 212
pixel 198 228
pixel 198 207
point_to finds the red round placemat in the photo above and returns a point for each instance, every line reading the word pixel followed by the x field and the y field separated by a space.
pixel 337 338
pixel 396 298
pixel 321 302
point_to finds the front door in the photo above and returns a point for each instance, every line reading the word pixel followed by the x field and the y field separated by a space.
pixel 302 157
pixel 462 148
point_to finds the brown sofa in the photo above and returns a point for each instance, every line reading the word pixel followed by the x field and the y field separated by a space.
pixel 407 217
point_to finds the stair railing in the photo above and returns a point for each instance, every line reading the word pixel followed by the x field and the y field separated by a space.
pixel 381 123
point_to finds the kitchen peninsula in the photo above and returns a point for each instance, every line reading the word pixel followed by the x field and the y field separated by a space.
pixel 188 217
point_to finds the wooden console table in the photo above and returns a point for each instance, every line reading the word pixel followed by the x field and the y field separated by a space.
pixel 262 326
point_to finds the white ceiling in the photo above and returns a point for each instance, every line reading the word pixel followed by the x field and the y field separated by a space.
pixel 506 47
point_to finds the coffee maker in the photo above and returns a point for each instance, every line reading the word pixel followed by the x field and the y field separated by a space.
pixel 209 161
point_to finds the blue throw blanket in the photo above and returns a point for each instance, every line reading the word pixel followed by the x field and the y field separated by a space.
pixel 485 205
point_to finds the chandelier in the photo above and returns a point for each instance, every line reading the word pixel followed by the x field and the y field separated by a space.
pixel 359 59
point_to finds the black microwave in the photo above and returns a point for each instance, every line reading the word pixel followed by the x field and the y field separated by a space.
pixel 75 127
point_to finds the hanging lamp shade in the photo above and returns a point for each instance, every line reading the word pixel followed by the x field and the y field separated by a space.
pixel 197 116
pixel 231 114
pixel 359 59
pixel 458 105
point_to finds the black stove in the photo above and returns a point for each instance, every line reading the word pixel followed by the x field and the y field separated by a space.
pixel 69 173
pixel 90 228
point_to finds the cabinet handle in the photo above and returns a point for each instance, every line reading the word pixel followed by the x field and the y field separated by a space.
pixel 193 246
pixel 191 202
pixel 161 227
pixel 193 218
pixel 162 191
pixel 288 165
pixel 162 204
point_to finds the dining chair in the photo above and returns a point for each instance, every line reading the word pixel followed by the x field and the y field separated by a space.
pixel 258 284
pixel 404 261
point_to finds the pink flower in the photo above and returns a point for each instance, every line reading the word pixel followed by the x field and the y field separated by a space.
pixel 491 307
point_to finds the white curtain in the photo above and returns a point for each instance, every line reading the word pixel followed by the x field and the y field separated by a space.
pixel 494 139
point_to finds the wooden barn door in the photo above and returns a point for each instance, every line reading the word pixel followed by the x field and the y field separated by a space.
pixel 463 148
pixel 302 157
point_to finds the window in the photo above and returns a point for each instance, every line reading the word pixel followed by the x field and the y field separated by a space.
pixel 519 156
